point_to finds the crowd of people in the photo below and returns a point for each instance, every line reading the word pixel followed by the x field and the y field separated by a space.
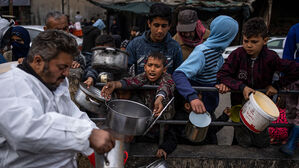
pixel 40 126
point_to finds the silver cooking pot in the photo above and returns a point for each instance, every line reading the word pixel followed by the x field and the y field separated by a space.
pixel 197 126
pixel 85 97
pixel 130 118
pixel 109 59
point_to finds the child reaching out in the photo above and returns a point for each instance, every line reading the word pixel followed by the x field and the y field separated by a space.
pixel 155 74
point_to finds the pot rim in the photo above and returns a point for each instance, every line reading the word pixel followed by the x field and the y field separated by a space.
pixel 124 100
pixel 109 48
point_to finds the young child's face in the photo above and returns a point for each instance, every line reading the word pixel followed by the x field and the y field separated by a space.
pixel 254 45
pixel 154 68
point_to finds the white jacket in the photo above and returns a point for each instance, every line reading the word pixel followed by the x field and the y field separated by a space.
pixel 39 128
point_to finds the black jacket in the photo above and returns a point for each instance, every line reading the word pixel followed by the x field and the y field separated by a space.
pixel 90 34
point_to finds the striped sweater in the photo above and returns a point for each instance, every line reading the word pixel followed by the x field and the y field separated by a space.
pixel 204 62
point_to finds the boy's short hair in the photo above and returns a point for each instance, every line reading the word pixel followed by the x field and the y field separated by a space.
pixel 159 56
pixel 254 27
pixel 105 40
pixel 160 10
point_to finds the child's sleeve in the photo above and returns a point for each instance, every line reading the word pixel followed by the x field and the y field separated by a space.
pixel 227 74
pixel 134 82
pixel 170 141
pixel 166 86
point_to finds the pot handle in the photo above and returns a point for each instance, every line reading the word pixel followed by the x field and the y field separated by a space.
pixel 107 163
pixel 152 123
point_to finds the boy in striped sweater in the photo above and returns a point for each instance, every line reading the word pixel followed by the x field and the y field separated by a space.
pixel 202 65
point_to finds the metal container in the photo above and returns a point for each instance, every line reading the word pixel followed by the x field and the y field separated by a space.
pixel 85 97
pixel 105 77
pixel 160 163
pixel 109 59
pixel 114 158
pixel 197 127
pixel 128 117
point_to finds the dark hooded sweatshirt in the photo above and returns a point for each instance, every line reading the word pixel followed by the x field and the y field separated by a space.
pixel 90 33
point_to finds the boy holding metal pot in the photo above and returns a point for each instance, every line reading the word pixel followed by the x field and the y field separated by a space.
pixel 251 67
pixel 155 74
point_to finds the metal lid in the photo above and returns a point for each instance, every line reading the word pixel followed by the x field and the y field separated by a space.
pixel 200 120
pixel 158 164
pixel 92 91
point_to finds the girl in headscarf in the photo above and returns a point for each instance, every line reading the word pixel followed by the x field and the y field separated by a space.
pixel 20 41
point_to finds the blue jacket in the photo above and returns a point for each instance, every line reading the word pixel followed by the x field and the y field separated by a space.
pixel 206 59
pixel 292 44
pixel 2 59
pixel 140 47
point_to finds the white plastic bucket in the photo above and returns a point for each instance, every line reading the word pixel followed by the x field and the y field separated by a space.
pixel 258 112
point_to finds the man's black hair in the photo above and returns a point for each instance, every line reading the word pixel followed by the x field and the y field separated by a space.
pixel 159 56
pixel 105 40
pixel 160 10
pixel 135 28
pixel 255 27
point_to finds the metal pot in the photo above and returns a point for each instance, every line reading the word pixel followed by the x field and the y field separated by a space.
pixel 109 59
pixel 83 98
pixel 114 158
pixel 130 118
pixel 197 127
pixel 160 163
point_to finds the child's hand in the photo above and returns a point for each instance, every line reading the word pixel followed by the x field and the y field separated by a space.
pixel 107 90
pixel 158 106
pixel 198 106
pixel 227 111
pixel 246 91
pixel 75 65
pixel 89 82
pixel 222 88
pixel 161 153
pixel 270 90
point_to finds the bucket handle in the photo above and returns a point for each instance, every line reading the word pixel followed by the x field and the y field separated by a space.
pixel 126 158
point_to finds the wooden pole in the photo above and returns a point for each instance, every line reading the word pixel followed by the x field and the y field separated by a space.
pixel 62 6
pixel 11 7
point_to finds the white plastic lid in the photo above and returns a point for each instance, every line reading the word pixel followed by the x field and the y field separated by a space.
pixel 200 120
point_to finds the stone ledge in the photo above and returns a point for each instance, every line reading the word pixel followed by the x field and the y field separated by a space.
pixel 141 154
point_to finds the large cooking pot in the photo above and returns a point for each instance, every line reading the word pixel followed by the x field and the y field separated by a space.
pixel 85 97
pixel 130 118
pixel 109 59
pixel 197 126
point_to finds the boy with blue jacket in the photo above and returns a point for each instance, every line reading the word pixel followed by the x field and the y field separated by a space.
pixel 157 39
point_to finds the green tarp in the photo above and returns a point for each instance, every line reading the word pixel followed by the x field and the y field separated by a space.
pixel 143 7
pixel 135 7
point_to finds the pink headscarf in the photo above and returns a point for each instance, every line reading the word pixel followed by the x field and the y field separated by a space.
pixel 200 31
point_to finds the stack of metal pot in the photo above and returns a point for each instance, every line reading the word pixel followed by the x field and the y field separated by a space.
pixel 112 63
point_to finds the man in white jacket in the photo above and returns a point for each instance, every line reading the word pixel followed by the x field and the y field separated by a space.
pixel 39 124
